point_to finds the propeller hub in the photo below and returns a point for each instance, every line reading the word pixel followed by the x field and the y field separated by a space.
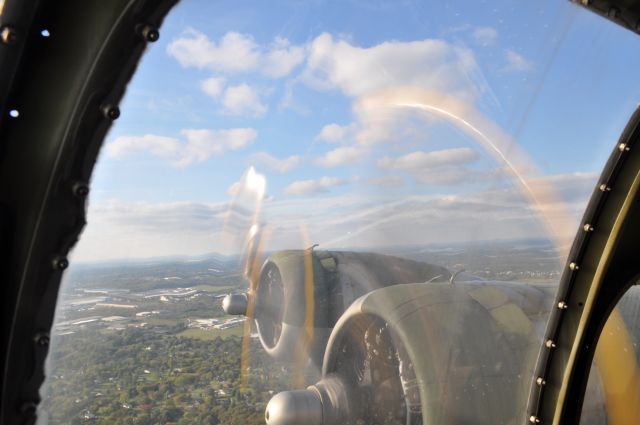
pixel 295 408
pixel 235 304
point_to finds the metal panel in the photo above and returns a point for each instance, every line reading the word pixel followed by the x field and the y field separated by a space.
pixel 603 262
pixel 66 88
pixel 623 12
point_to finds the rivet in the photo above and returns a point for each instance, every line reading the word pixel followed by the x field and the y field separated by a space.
pixel 540 381
pixel 110 111
pixel 550 344
pixel 574 266
pixel 587 227
pixel 622 147
pixel 563 305
pixel 80 189
pixel 534 419
pixel 60 263
pixel 42 339
pixel 150 33
pixel 604 187
pixel 8 35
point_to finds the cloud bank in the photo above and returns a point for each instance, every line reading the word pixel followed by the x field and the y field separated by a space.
pixel 197 145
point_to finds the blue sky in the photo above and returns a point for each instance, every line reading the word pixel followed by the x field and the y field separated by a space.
pixel 286 87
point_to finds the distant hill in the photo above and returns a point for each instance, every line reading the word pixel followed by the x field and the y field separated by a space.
pixel 152 273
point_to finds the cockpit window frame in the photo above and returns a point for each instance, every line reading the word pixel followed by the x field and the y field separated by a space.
pixel 598 272
pixel 66 103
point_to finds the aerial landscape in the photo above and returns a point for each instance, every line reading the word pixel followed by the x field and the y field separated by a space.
pixel 147 342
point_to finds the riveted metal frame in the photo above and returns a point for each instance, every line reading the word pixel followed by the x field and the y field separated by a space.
pixel 602 264
pixel 623 12
pixel 66 88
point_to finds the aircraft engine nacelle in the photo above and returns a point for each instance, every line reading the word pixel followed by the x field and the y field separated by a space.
pixel 301 294
pixel 426 354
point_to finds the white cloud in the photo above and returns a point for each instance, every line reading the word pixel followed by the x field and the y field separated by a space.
pixel 312 187
pixel 121 229
pixel 451 175
pixel 236 52
pixel 281 58
pixel 421 160
pixel 516 62
pixel 165 147
pixel 341 156
pixel 198 146
pixel 388 181
pixel 485 35
pixel 373 127
pixel 234 189
pixel 430 64
pixel 138 229
pixel 332 133
pixel 571 187
pixel 242 100
pixel 202 143
pixel 281 165
pixel 484 215
pixel 388 125
pixel 213 86
pixel 335 133
pixel 443 167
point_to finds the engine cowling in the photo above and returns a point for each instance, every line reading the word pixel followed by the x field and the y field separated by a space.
pixel 290 306
pixel 427 354
pixel 301 294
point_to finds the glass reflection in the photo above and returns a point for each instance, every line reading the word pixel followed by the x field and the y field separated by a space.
pixel 613 389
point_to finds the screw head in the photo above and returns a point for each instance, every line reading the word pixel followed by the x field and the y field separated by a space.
pixel 111 111
pixel 622 147
pixel 42 339
pixel 81 189
pixel 8 35
pixel 150 33
pixel 60 263
pixel 587 227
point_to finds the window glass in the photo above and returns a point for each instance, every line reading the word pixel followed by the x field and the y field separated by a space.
pixel 613 390
pixel 388 190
